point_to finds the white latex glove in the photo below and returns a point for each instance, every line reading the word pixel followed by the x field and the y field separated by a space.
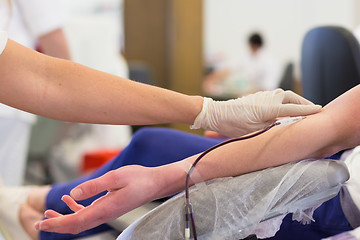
pixel 236 117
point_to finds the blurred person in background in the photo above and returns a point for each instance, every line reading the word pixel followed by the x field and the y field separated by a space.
pixel 261 70
pixel 258 71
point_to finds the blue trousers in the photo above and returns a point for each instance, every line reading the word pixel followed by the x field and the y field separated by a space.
pixel 158 146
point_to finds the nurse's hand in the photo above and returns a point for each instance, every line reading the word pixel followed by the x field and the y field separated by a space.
pixel 128 187
pixel 237 117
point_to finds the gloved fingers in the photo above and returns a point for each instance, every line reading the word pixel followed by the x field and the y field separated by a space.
pixel 290 110
pixel 291 97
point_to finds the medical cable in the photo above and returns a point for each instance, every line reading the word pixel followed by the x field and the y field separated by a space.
pixel 189 217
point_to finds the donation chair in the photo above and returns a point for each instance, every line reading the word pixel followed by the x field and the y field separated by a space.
pixel 330 63
pixel 287 81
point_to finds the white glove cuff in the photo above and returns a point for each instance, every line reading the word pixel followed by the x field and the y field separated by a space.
pixel 3 40
pixel 201 117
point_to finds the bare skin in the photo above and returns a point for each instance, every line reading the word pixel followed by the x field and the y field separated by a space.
pixel 341 132
pixel 28 216
pixel 47 86
pixel 64 90
pixel 67 91
pixel 32 210
pixel 317 136
pixel 54 44
pixel 52 85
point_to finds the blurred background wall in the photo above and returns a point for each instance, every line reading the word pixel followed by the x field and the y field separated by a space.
pixel 227 24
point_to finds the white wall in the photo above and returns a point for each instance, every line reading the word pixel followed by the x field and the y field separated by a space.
pixel 227 24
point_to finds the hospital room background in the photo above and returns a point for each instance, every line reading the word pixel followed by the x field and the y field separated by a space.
pixel 173 44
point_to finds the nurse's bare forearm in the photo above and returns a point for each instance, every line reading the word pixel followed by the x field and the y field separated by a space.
pixel 68 91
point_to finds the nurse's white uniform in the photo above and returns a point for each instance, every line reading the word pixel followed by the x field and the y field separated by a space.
pixel 25 21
